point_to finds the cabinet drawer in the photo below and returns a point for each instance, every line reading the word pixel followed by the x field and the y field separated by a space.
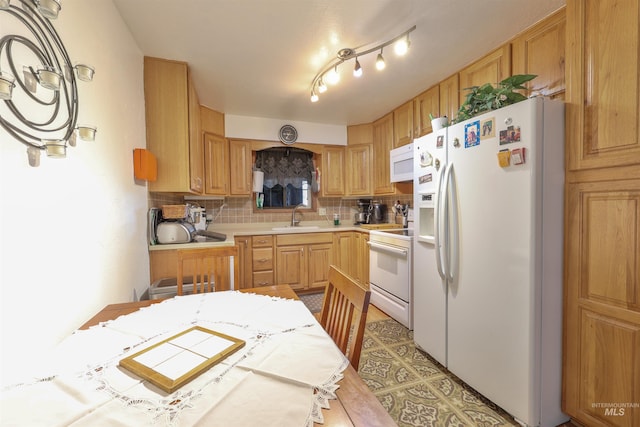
pixel 304 238
pixel 262 241
pixel 262 259
pixel 263 278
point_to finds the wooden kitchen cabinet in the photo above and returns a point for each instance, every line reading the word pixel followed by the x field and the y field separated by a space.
pixel 344 251
pixel 540 50
pixel 358 169
pixel 333 165
pixel 240 167
pixel 216 165
pixel 403 124
pixel 382 145
pixel 492 68
pixel 601 355
pixel 172 114
pixel 262 260
pixel 361 271
pixel 302 260
pixel 244 262
pixel 428 102
pixel 351 254
pixel 449 97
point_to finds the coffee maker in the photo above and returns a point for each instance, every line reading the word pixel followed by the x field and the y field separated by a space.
pixel 364 211
pixel 378 213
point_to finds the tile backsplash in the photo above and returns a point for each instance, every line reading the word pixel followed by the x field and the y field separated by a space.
pixel 240 210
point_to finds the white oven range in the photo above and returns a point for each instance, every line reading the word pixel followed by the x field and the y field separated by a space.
pixel 391 273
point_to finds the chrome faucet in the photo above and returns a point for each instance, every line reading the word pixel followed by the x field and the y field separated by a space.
pixel 295 221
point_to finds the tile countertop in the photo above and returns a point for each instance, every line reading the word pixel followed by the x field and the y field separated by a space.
pixel 232 230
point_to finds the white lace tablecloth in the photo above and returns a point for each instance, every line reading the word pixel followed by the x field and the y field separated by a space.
pixel 284 375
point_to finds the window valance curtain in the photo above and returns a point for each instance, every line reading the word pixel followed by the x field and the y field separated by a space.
pixel 285 166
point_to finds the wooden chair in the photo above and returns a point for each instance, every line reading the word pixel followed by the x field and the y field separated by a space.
pixel 209 268
pixel 345 305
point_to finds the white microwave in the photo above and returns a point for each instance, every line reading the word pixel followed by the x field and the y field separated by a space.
pixel 401 162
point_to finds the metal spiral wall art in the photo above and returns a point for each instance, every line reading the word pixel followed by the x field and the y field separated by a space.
pixel 40 97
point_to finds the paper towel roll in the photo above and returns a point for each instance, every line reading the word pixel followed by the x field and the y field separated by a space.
pixel 258 181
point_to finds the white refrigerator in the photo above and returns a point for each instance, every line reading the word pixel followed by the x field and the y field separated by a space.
pixel 488 255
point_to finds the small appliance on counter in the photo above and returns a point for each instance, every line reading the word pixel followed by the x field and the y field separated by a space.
pixel 363 215
pixel 189 229
pixel 378 213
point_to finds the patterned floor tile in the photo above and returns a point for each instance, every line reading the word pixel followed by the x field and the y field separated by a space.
pixel 414 388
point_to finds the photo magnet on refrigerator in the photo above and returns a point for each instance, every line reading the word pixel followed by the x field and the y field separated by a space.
pixel 472 134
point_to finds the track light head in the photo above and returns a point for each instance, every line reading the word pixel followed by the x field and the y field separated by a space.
pixel 380 64
pixel 402 46
pixel 332 77
pixel 322 87
pixel 357 70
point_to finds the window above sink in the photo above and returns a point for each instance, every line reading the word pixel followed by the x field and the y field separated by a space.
pixel 289 177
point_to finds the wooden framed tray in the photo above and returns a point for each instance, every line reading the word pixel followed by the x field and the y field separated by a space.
pixel 172 363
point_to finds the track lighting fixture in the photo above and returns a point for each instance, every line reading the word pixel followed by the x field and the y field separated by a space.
pixel 329 73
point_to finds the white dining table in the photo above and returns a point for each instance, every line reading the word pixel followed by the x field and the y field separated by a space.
pixel 285 374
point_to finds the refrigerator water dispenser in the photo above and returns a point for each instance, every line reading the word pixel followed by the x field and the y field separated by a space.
pixel 426 208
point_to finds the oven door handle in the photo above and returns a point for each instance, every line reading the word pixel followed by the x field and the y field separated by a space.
pixel 389 249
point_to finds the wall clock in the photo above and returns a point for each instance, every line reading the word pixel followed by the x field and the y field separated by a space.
pixel 288 134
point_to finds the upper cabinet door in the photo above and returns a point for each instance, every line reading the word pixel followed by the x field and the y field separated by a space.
pixel 492 68
pixel 540 51
pixel 216 161
pixel 173 126
pixel 333 174
pixel 240 159
pixel 403 124
pixel 428 102
pixel 450 97
pixel 603 106
pixel 358 170
pixel 382 145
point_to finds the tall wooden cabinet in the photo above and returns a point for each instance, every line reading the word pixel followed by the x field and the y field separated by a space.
pixel 172 114
pixel 602 235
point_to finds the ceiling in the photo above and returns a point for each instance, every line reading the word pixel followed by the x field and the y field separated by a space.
pixel 258 57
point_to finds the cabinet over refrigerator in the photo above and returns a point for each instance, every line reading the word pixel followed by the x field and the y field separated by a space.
pixel 488 255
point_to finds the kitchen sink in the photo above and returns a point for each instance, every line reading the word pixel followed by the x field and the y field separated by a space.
pixel 296 228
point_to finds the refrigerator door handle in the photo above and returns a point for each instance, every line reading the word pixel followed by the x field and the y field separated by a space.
pixel 444 210
pixel 452 240
pixel 438 224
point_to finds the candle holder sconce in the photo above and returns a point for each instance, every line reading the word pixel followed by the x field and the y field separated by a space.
pixel 39 103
